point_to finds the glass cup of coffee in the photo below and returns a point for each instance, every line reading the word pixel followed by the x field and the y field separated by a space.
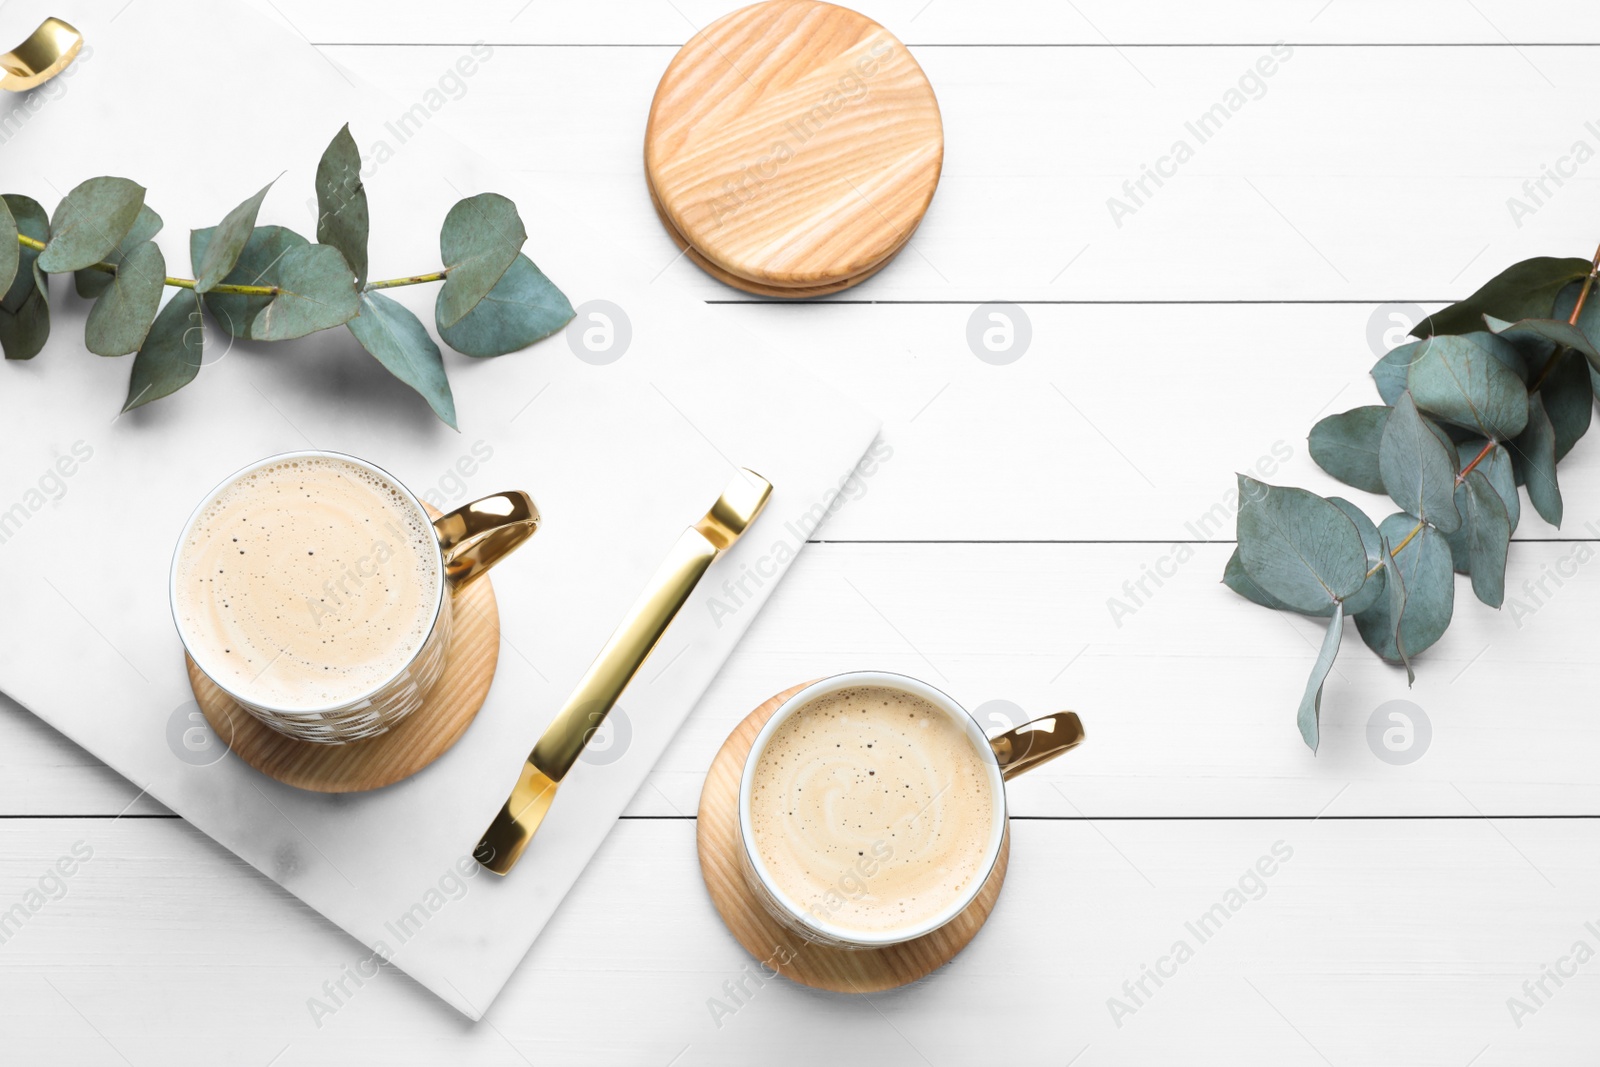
pixel 872 807
pixel 316 590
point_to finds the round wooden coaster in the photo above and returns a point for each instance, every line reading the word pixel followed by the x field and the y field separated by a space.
pixel 793 146
pixel 782 950
pixel 788 292
pixel 419 739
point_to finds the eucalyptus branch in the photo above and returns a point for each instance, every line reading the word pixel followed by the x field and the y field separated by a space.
pixel 1495 369
pixel 268 283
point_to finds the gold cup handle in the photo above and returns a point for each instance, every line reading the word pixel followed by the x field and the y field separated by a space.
pixel 476 536
pixel 1025 747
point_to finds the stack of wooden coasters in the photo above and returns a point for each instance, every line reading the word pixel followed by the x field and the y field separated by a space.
pixel 793 147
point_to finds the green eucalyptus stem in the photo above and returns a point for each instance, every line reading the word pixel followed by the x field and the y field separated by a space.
pixel 237 290
pixel 413 279
pixel 249 290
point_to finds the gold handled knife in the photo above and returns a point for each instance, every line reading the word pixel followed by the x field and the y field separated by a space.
pixel 630 644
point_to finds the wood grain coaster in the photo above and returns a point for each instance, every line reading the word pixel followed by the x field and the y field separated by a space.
pixel 790 292
pixel 419 739
pixel 777 947
pixel 793 147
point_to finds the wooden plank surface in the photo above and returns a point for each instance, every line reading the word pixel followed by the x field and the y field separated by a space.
pixel 1393 941
pixel 1092 23
pixel 1240 300
pixel 1188 694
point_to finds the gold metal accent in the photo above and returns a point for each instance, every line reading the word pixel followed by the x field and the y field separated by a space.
pixel 45 53
pixel 505 839
pixel 476 536
pixel 630 644
pixel 1025 747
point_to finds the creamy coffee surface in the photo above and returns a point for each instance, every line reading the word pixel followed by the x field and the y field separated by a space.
pixel 872 809
pixel 307 583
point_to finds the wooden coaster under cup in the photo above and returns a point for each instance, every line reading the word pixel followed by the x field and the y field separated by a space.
pixel 782 950
pixel 792 148
pixel 418 740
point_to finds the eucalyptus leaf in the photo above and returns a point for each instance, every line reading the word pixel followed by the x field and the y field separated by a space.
pixel 1468 380
pixel 1525 290
pixel 1426 589
pixel 523 307
pixel 317 292
pixel 1396 609
pixel 1532 350
pixel 1310 714
pixel 91 283
pixel 1485 536
pixel 10 251
pixel 1555 331
pixel 24 331
pixel 1497 467
pixel 1588 321
pixel 89 223
pixel 1534 454
pixel 1372 545
pixel 1418 468
pixel 257 265
pixel 1297 546
pixel 1568 400
pixel 1235 578
pixel 170 356
pixel 342 217
pixel 1394 368
pixel 31 221
pixel 122 316
pixel 1515 353
pixel 226 242
pixel 399 341
pixel 481 237
pixel 1346 446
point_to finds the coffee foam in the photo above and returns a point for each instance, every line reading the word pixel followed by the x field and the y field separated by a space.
pixel 872 809
pixel 306 583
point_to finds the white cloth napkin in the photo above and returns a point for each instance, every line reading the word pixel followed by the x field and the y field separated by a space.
pixel 620 457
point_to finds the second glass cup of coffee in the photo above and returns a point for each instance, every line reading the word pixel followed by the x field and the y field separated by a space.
pixel 316 590
pixel 872 807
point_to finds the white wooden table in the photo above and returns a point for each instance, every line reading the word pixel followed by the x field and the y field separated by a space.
pixel 1203 335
